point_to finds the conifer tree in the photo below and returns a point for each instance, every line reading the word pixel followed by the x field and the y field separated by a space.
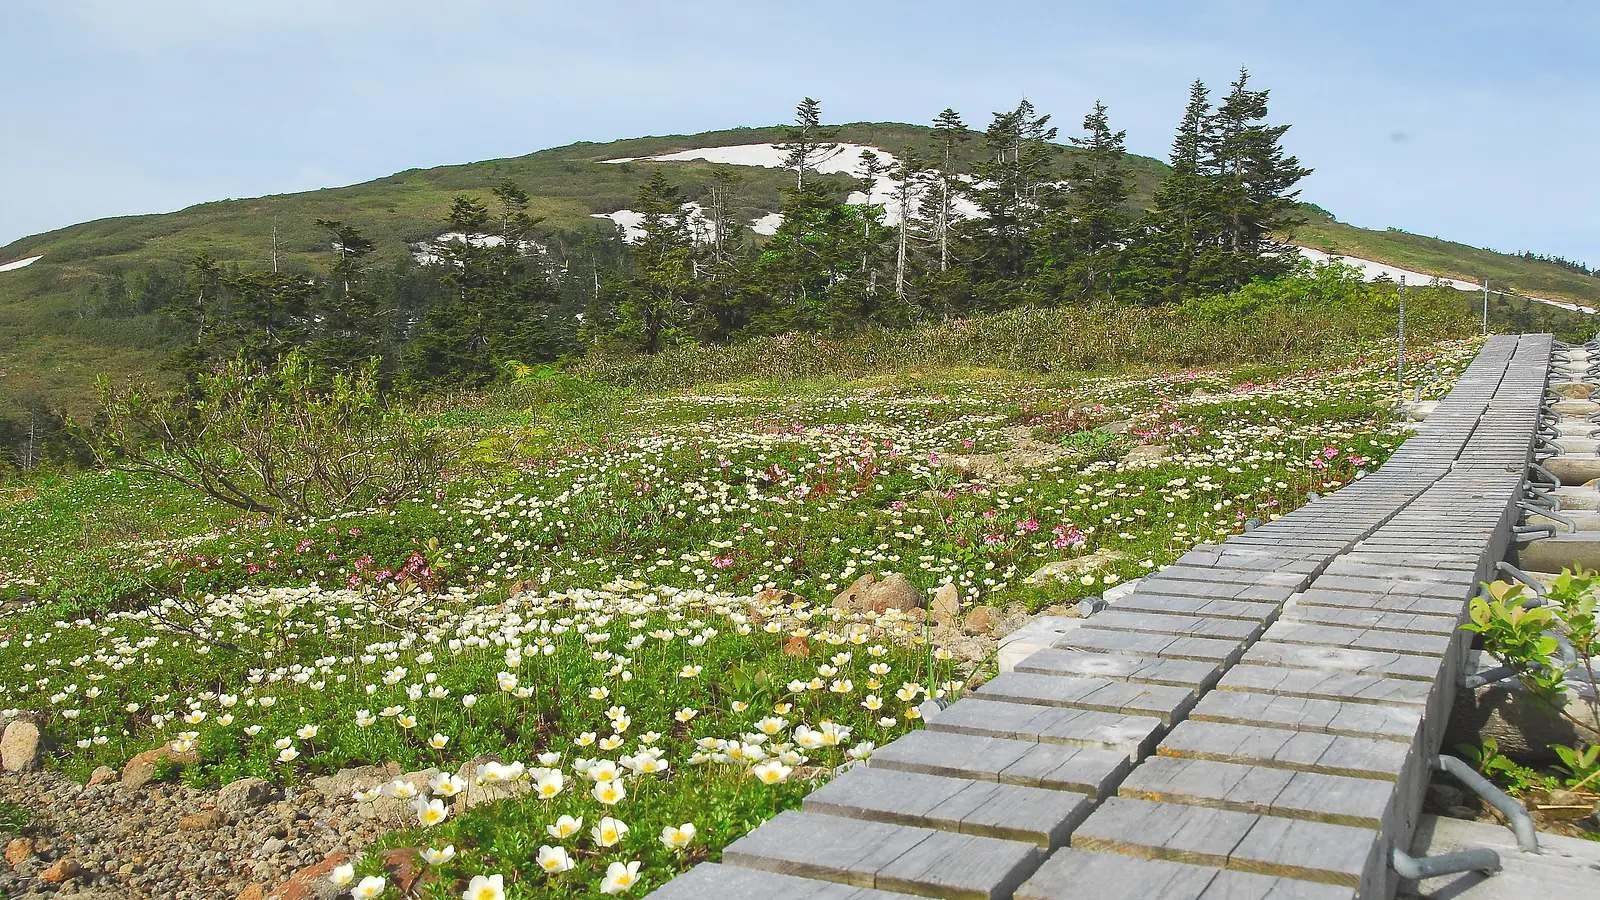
pixel 496 298
pixel 1080 247
pixel 1016 192
pixel 949 133
pixel 1254 185
pixel 1177 248
pixel 661 290
pixel 806 143
pixel 349 329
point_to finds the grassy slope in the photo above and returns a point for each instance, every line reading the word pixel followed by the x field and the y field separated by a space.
pixel 51 344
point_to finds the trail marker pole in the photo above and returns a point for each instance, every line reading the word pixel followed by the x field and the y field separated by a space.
pixel 1486 306
pixel 1400 345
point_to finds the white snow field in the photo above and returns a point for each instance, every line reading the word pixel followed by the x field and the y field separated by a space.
pixel 1372 271
pixel 20 263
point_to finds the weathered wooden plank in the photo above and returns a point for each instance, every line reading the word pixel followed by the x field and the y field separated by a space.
pixel 1091 771
pixel 1286 632
pixel 1393 723
pixel 1161 623
pixel 1344 659
pixel 988 808
pixel 1336 799
pixel 1382 620
pixel 1307 751
pixel 889 857
pixel 1134 735
pixel 1325 685
pixel 1195 674
pixel 1161 645
pixel 734 883
pixel 1071 874
pixel 1248 610
pixel 1162 701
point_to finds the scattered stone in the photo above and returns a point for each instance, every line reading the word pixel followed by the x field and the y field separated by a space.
pixel 1146 455
pixel 778 597
pixel 404 866
pixel 979 621
pixel 854 597
pixel 200 821
pixel 252 892
pixel 17 850
pixel 64 868
pixel 797 647
pixel 1120 426
pixel 142 768
pixel 477 794
pixel 1071 569
pixel 341 784
pixel 238 798
pixel 311 883
pixel 102 775
pixel 894 592
pixel 19 747
pixel 947 604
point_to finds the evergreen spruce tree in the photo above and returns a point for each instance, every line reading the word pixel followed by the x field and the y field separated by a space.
pixel 496 298
pixel 806 143
pixel 1254 185
pixel 1177 246
pixel 1015 195
pixel 1080 249
pixel 661 291
pixel 349 329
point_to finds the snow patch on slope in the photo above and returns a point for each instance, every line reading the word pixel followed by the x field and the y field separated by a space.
pixel 20 263
pixel 426 253
pixel 1372 270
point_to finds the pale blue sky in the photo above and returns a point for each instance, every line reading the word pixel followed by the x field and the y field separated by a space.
pixel 1474 121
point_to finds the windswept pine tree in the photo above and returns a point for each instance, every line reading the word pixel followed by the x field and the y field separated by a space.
pixel 1177 237
pixel 1015 190
pixel 349 321
pixel 807 142
pixel 496 298
pixel 1081 246
pixel 1255 181
pixel 656 297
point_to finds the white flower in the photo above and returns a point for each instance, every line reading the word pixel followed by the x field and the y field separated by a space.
pixel 306 732
pixel 368 795
pixel 619 877
pixel 609 792
pixel 551 784
pixel 554 860
pixel 435 857
pixel 431 812
pixel 486 887
pixel 678 837
pixel 608 832
pixel 446 785
pixel 772 772
pixel 402 788
pixel 565 827
pixel 370 886
pixel 288 755
pixel 438 741
pixel 343 876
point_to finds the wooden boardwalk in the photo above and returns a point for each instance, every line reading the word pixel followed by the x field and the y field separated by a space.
pixel 1254 721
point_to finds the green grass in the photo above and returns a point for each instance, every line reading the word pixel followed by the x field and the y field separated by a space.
pixel 601 537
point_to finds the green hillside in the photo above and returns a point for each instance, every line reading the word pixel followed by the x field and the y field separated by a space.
pixel 65 319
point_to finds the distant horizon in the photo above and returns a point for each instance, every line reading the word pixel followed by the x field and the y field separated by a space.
pixel 1470 122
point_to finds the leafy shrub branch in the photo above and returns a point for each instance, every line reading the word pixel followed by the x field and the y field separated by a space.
pixel 286 439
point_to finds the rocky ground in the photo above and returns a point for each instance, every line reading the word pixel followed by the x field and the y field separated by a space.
pixel 170 841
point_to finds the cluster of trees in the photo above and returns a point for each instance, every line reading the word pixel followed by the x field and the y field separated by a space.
pixel 1021 226
pixel 1571 265
pixel 1044 231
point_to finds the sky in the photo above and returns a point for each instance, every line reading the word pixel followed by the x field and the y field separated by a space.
pixel 1472 121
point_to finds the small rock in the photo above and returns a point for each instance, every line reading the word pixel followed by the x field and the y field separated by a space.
pixel 405 866
pixel 341 784
pixel 1462 812
pixel 271 846
pixel 142 768
pixel 947 604
pixel 778 597
pixel 1070 569
pixel 17 850
pixel 102 775
pixel 200 821
pixel 979 621
pixel 64 868
pixel 1444 796
pixel 854 597
pixel 252 892
pixel 1146 455
pixel 797 647
pixel 240 797
pixel 311 883
pixel 19 747
pixel 893 592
